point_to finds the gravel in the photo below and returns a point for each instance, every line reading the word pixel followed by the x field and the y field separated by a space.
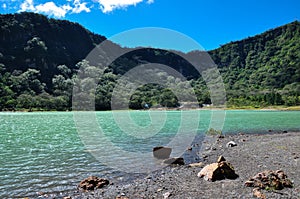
pixel 254 153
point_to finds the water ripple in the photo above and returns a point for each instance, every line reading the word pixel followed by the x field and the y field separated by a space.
pixel 42 152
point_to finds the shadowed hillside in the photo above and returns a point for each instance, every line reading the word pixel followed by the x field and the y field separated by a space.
pixel 40 58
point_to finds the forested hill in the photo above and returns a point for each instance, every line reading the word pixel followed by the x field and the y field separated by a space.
pixel 29 40
pixel 263 66
pixel 40 58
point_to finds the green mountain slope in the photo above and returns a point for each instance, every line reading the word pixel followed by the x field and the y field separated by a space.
pixel 264 66
pixel 40 58
pixel 30 40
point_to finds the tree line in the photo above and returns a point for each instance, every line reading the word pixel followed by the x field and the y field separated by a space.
pixel 40 64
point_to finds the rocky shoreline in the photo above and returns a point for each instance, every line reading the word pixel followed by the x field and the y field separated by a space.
pixel 252 154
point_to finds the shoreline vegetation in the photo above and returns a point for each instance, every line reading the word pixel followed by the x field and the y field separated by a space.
pixel 269 108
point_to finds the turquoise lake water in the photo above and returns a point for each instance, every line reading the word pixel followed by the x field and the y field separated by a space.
pixel 48 152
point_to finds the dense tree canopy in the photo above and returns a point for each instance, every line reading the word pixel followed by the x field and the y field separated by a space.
pixel 40 60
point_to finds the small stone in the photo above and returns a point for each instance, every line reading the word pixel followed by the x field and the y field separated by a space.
pixel 198 164
pixel 148 177
pixel 287 183
pixel 221 159
pixel 249 183
pixel 67 197
pixel 159 190
pixel 231 144
pixel 92 183
pixel 121 197
pixel 258 193
pixel 189 148
pixel 178 161
pixel 280 174
pixel 167 195
pixel 40 193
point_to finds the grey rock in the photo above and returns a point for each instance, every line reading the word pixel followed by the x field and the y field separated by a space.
pixel 161 152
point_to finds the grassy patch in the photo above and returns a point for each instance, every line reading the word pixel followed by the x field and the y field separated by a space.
pixel 213 131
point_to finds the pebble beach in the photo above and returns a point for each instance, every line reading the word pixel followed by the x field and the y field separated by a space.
pixel 254 153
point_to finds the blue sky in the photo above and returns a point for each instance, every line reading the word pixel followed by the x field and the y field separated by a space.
pixel 211 23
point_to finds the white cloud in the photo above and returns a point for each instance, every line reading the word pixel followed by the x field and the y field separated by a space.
pixel 4 6
pixel 27 5
pixel 150 1
pixel 110 5
pixel 51 9
pixel 80 7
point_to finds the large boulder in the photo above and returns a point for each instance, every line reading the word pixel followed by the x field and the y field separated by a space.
pixel 218 171
pixel 161 152
pixel 91 183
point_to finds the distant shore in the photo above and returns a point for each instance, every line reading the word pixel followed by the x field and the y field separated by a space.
pixel 270 108
pixel 254 153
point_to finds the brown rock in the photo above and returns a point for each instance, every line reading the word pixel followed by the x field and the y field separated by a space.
pixel 161 152
pixel 92 183
pixel 274 180
pixel 209 172
pixel 218 171
pixel 258 193
pixel 287 183
pixel 178 161
pixel 280 174
pixel 249 183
